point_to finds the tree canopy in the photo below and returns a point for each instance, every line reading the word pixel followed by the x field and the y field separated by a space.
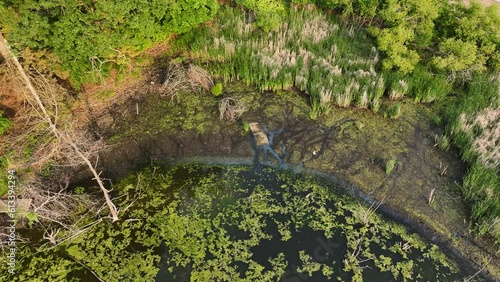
pixel 88 35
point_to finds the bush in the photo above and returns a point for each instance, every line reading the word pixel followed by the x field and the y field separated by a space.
pixel 90 37
pixel 246 126
pixel 269 13
pixel 216 89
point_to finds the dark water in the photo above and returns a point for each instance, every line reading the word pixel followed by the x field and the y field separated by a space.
pixel 322 250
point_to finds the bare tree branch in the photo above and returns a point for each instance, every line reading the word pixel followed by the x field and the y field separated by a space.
pixel 51 120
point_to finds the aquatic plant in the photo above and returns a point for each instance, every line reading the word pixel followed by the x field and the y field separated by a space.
pixel 216 90
pixel 213 223
pixel 393 111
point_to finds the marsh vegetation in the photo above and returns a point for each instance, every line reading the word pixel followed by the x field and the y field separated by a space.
pixel 217 223
pixel 205 67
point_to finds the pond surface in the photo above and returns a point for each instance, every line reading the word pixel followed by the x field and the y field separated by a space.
pixel 241 224
pixel 236 223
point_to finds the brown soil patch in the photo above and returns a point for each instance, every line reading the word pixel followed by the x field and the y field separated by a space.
pixel 10 97
pixel 11 102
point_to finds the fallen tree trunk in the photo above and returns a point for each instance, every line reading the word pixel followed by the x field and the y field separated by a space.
pixel 9 57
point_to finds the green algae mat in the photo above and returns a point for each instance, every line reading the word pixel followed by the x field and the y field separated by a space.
pixel 240 223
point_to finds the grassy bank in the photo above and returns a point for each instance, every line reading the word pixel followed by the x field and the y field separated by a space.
pixel 474 125
pixel 335 62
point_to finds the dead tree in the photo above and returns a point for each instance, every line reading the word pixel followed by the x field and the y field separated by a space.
pixel 58 134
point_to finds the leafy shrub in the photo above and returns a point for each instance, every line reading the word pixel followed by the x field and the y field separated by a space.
pixel 269 13
pixel 216 89
pixel 90 37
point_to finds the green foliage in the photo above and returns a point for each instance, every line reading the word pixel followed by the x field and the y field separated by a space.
pixel 392 41
pixel 31 217
pixel 269 13
pixel 482 183
pixel 246 126
pixel 481 187
pixel 457 55
pixel 79 190
pixel 333 63
pixel 466 37
pixel 470 35
pixel 427 87
pixel 211 223
pixel 313 114
pixel 5 124
pixel 89 37
pixel 406 23
pixel 49 265
pixel 443 142
pixel 389 166
pixel 393 111
pixel 216 89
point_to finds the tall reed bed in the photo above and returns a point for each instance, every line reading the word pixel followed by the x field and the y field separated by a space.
pixel 335 63
pixel 474 125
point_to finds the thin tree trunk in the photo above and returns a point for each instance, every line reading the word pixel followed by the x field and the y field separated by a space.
pixel 4 50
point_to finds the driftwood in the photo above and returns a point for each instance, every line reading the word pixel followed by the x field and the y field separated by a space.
pixel 259 134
